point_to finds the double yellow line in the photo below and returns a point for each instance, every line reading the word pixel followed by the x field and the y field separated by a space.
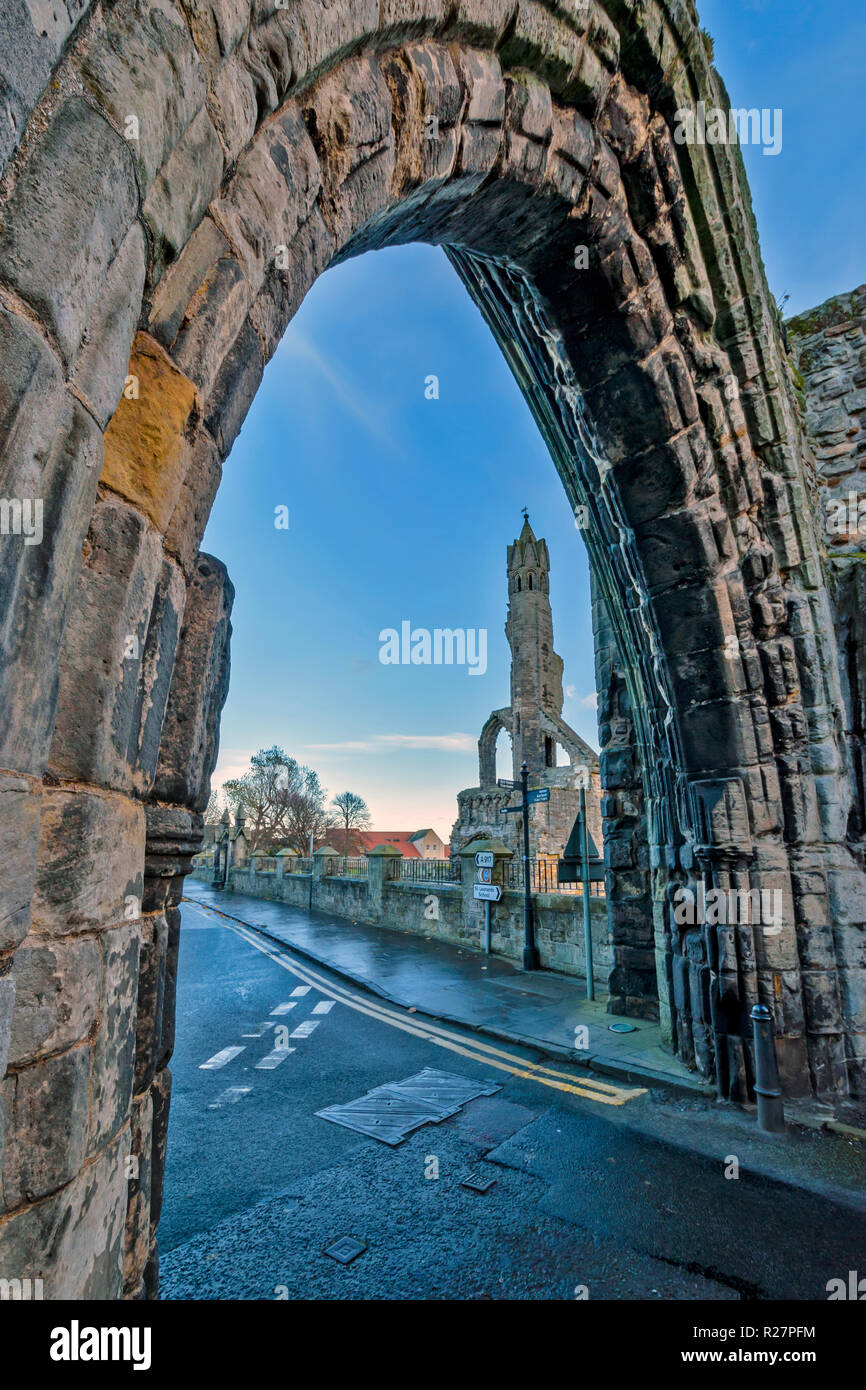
pixel 601 1091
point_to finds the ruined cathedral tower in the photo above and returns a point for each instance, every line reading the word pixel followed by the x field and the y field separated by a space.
pixel 536 670
pixel 533 722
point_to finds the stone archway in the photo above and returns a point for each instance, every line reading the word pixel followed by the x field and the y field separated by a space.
pixel 179 174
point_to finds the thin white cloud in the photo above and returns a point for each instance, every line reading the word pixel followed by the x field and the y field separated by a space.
pixel 354 401
pixel 394 743
pixel 590 701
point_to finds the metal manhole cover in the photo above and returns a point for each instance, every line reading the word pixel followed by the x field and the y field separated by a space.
pixel 621 1028
pixel 390 1113
pixel 345 1250
pixel 476 1183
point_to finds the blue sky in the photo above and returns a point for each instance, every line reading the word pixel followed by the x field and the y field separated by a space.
pixel 401 507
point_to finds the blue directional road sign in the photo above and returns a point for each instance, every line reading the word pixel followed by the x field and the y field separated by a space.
pixel 539 794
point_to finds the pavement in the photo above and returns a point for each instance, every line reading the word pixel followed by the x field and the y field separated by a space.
pixel 489 993
pixel 539 1012
pixel 586 1201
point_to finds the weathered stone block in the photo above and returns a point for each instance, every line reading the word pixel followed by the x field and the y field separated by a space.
pixel 111 1085
pixel 145 457
pixel 234 388
pixel 74 1240
pixel 212 323
pixel 272 194
pixel 69 212
pixel 57 995
pixel 7 1005
pixel 46 1126
pixel 190 734
pixel 144 64
pixel 151 996
pixel 118 653
pixel 166 1043
pixel 50 455
pixel 161 1094
pixel 91 860
pixel 182 190
pixel 137 1238
pixel 181 280
pixel 103 362
pixel 19 837
pixel 201 480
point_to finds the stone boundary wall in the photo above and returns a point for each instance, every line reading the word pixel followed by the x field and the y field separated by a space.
pixel 407 906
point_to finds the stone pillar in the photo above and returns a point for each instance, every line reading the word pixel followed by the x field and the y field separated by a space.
pixel 473 908
pixel 175 827
pixel 383 864
pixel 639 961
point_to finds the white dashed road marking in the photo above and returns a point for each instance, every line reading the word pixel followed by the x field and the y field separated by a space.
pixel 274 1058
pixel 230 1097
pixel 219 1059
pixel 283 1008
pixel 325 1006
pixel 304 1030
pixel 259 1030
pixel 302 989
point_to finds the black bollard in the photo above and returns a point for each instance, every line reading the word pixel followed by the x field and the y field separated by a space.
pixel 771 1114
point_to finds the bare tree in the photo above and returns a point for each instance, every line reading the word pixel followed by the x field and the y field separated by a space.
pixel 281 800
pixel 353 814
pixel 306 813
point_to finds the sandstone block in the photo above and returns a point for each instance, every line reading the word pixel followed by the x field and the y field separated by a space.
pixel 145 454
pixel 46 1126
pixel 57 995
pixel 69 212
pixel 201 480
pixel 19 837
pixel 111 1085
pixel 118 653
pixel 50 455
pixel 190 734
pixel 182 190
pixel 103 362
pixel 144 64
pixel 137 1236
pixel 91 859
pixel 74 1240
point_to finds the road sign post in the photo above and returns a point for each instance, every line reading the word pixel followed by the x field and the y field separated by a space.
pixel 587 915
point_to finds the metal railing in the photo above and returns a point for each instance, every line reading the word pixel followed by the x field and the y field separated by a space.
pixel 543 879
pixel 431 870
pixel 345 867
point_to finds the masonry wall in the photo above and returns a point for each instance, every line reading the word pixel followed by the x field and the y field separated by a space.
pixel 448 912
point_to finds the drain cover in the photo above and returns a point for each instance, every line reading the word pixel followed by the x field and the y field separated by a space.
pixel 346 1249
pixel 477 1183
pixel 621 1028
pixel 391 1112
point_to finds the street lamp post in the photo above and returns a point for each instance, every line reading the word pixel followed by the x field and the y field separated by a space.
pixel 530 951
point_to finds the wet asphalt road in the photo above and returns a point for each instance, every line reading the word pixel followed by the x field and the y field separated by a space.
pixel 257 1185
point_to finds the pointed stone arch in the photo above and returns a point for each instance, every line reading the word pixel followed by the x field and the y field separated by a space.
pixel 148 273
